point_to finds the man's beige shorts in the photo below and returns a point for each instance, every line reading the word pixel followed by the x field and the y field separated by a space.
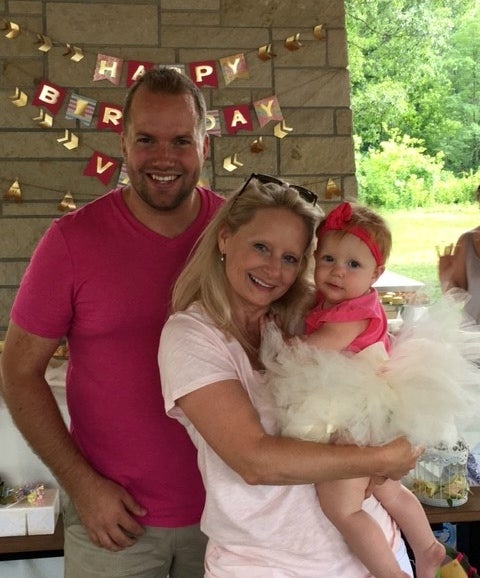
pixel 159 553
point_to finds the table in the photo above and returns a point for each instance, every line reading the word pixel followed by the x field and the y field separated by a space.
pixel 390 281
pixel 18 547
pixel 468 512
pixel 42 546
pixel 467 520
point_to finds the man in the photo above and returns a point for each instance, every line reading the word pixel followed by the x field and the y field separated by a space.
pixel 102 277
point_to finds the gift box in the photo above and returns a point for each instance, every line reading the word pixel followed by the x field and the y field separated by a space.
pixel 32 518
pixel 42 517
pixel 13 522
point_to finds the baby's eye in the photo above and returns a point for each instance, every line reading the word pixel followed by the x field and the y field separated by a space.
pixel 327 258
pixel 354 264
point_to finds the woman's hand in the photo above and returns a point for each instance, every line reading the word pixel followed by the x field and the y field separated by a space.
pixel 451 265
pixel 401 457
pixel 446 263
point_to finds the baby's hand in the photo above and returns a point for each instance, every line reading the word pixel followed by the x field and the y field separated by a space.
pixel 266 319
pixel 374 481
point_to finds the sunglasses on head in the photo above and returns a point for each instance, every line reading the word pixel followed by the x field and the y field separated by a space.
pixel 306 194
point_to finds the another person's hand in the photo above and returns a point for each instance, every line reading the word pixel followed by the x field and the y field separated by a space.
pixel 446 262
pixel 106 510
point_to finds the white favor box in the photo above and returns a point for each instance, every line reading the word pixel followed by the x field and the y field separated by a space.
pixel 42 518
pixel 32 519
pixel 13 522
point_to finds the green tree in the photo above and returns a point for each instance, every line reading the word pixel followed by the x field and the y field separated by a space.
pixel 401 57
pixel 400 174
pixel 463 152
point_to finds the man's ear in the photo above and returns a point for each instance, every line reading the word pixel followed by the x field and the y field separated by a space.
pixel 206 146
pixel 123 148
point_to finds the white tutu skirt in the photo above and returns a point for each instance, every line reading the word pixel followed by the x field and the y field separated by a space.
pixel 427 388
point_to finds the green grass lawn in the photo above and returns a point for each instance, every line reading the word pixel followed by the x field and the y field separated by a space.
pixel 417 232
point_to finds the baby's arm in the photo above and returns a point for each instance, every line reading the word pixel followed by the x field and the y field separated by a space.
pixel 341 501
pixel 336 336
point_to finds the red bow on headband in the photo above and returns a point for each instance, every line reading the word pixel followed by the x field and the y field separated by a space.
pixel 338 220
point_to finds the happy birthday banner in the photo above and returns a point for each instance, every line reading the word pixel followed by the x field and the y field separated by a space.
pixel 49 98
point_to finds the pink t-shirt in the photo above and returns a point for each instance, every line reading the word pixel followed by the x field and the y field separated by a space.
pixel 101 278
pixel 367 306
pixel 266 531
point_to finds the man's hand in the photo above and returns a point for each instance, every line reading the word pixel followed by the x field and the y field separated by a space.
pixel 106 510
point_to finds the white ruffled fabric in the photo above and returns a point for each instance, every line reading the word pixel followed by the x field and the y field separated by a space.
pixel 427 388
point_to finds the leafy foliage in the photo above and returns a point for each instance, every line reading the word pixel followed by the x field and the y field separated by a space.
pixel 400 174
pixel 415 68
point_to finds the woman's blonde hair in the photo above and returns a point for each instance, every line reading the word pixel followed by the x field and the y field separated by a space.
pixel 204 280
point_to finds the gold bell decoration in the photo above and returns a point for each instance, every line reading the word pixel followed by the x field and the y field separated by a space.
pixel 265 52
pixel 67 203
pixel 293 42
pixel 319 32
pixel 257 146
pixel 332 190
pixel 14 193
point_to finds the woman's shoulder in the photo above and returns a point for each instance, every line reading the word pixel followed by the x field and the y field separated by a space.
pixel 194 315
pixel 191 325
pixel 470 234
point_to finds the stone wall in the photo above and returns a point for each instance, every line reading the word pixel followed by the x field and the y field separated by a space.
pixel 310 82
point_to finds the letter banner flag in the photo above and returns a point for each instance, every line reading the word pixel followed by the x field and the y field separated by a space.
pixel 100 166
pixel 204 73
pixel 110 117
pixel 49 96
pixel 81 108
pixel 234 67
pixel 108 68
pixel 267 109
pixel 237 118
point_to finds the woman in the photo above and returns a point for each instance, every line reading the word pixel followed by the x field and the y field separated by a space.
pixel 261 515
pixel 459 268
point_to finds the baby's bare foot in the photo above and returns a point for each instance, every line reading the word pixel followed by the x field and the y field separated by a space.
pixel 428 561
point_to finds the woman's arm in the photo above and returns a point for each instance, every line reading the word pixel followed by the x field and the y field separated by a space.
pixel 224 416
pixel 452 269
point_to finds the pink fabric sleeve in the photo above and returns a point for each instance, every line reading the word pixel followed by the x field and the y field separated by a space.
pixel 191 356
pixel 43 304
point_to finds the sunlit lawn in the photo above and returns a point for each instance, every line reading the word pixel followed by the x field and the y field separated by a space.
pixel 417 232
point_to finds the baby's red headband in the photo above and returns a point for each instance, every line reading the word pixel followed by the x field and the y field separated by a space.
pixel 338 219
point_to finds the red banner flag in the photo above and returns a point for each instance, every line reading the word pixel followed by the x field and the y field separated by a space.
pixel 49 96
pixel 110 117
pixel 237 118
pixel 204 73
pixel 100 166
